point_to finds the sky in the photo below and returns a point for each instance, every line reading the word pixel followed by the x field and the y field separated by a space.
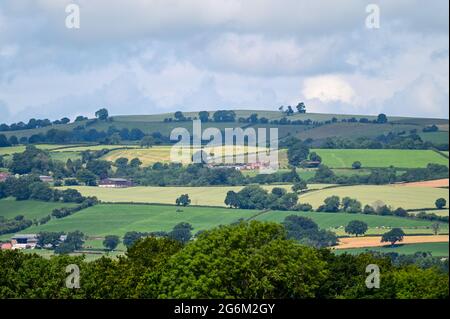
pixel 155 56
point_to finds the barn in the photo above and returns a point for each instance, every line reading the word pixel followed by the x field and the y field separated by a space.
pixel 115 183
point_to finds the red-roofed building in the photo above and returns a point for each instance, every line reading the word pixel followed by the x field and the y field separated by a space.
pixel 6 246
pixel 4 177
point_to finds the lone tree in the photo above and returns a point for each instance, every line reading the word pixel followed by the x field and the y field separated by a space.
pixel 183 200
pixel 147 141
pixel 440 203
pixel 111 242
pixel 356 165
pixel 356 227
pixel 301 108
pixel 299 186
pixel 102 114
pixel 435 227
pixel 393 236
pixel 203 116
pixel 382 118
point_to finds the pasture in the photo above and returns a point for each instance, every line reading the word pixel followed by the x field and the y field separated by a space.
pixel 117 219
pixel 20 148
pixel 31 209
pixel 344 158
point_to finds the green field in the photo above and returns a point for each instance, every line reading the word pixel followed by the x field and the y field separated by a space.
pixel 20 148
pixel 31 209
pixel 81 148
pixel 344 158
pixel 337 221
pixel 435 137
pixel 205 196
pixel 392 195
pixel 436 249
pixel 117 219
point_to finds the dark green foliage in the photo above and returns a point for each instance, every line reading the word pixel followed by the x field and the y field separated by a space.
pixel 297 152
pixel 356 227
pixel 183 200
pixel 331 205
pixel 393 236
pixel 181 232
pixel 111 242
pixel 440 203
pixel 246 260
pixel 307 232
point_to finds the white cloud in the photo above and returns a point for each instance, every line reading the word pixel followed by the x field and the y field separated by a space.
pixel 235 53
pixel 328 88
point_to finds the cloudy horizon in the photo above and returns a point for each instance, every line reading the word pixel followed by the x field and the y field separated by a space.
pixel 155 56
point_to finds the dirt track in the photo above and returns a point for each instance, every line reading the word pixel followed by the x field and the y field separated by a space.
pixel 375 241
pixel 434 183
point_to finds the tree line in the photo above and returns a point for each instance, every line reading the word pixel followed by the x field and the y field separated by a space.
pixel 165 268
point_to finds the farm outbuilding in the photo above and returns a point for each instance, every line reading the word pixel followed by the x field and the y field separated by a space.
pixel 25 241
pixel 115 183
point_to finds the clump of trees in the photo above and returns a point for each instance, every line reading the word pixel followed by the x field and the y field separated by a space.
pixel 255 197
pixel 18 223
pixel 307 232
pixel 111 242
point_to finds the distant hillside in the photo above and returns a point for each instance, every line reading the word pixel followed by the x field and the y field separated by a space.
pixel 155 123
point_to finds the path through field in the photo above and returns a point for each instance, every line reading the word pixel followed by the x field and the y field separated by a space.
pixel 375 241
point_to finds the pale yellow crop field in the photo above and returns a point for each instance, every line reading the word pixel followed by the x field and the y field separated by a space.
pixel 206 196
pixel 395 196
pixel 166 154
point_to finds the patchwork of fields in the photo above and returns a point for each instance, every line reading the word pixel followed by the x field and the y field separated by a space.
pixel 393 195
pixel 205 196
pixel 113 217
pixel 117 219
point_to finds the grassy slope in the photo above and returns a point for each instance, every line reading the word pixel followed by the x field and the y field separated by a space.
pixel 337 158
pixel 31 209
pixel 117 219
pixel 152 123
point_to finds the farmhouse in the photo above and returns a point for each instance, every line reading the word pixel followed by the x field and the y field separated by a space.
pixel 25 241
pixel 46 179
pixel 115 183
pixel 4 177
